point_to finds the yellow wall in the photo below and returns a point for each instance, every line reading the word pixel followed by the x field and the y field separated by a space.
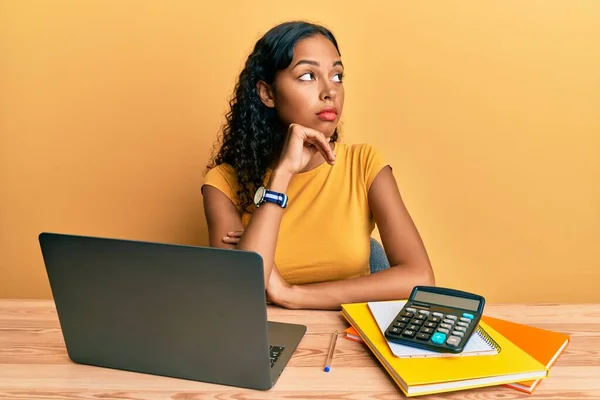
pixel 489 113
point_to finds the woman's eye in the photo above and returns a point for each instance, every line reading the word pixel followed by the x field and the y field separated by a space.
pixel 306 77
pixel 338 78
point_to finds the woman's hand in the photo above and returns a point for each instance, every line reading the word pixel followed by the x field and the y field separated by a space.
pixel 301 144
pixel 232 237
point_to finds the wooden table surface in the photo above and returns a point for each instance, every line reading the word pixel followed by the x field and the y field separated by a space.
pixel 34 362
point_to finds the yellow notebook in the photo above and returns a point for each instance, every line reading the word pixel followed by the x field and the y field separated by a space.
pixel 420 376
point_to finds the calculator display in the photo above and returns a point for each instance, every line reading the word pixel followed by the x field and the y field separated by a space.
pixel 437 298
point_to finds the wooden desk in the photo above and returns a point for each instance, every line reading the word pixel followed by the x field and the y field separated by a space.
pixel 34 362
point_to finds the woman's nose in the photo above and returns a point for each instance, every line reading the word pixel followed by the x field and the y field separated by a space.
pixel 328 91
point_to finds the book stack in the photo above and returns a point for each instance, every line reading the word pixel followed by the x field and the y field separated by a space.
pixel 499 353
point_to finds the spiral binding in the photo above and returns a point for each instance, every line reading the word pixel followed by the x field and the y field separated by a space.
pixel 488 339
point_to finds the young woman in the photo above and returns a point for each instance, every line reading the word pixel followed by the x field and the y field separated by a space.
pixel 283 185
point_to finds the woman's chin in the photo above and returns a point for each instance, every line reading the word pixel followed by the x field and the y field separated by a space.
pixel 326 128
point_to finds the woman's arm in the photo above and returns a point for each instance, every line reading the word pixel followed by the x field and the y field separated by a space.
pixel 403 246
pixel 261 234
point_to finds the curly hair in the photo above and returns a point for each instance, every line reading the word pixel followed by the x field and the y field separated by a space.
pixel 253 135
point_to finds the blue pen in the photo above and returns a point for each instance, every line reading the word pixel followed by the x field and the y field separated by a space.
pixel 331 349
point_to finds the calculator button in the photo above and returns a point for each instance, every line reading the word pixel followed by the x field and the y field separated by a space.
pixel 423 312
pixel 423 336
pixel 463 324
pixel 438 338
pixel 451 317
pixel 421 316
pixel 461 329
pixel 457 333
pixel 413 327
pixel 400 325
pixel 395 331
pixel 412 310
pixel 426 330
pixel 407 314
pixel 408 333
pixel 430 324
pixel 403 319
pixel 446 326
pixel 466 315
pixel 417 321
pixel 438 314
pixel 434 319
pixel 464 319
pixel 453 341
pixel 443 330
pixel 448 321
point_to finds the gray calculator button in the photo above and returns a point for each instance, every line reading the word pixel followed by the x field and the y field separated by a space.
pixel 463 324
pixel 413 327
pixel 451 317
pixel 461 329
pixel 410 309
pixel 446 326
pixel 446 331
pixel 453 341
pixel 463 319
pixel 458 333
pixel 448 321
pixel 438 314
pixel 424 312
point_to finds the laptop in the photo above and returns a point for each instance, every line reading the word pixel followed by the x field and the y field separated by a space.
pixel 189 312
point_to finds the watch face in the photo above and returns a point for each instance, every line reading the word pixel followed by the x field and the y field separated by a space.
pixel 259 195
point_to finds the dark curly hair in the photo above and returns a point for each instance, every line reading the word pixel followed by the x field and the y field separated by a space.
pixel 252 136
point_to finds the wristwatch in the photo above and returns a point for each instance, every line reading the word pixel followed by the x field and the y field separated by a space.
pixel 263 195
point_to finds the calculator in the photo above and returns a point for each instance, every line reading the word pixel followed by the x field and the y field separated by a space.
pixel 437 319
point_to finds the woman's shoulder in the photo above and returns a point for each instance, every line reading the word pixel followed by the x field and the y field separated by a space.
pixel 364 161
pixel 359 152
pixel 222 176
pixel 223 170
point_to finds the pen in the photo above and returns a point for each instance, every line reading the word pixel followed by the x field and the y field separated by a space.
pixel 331 349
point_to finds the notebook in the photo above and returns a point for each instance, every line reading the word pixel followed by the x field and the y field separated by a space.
pixel 543 345
pixel 351 334
pixel 384 312
pixel 420 376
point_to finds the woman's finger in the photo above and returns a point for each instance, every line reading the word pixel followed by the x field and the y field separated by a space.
pixel 230 240
pixel 322 141
pixel 316 138
pixel 322 145
pixel 237 234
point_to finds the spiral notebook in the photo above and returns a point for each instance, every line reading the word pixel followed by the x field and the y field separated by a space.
pixel 384 312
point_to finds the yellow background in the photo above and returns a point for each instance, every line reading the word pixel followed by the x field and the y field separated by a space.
pixel 489 113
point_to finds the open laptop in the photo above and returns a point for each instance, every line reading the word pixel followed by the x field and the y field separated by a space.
pixel 188 312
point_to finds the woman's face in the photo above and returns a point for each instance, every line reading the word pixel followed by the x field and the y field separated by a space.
pixel 310 91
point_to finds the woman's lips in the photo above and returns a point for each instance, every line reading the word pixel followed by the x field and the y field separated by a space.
pixel 327 115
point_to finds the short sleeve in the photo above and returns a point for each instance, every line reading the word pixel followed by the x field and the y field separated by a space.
pixel 222 177
pixel 373 163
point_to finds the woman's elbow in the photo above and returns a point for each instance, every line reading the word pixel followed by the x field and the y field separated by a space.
pixel 426 277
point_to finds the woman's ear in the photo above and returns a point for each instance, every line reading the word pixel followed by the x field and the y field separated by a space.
pixel 265 91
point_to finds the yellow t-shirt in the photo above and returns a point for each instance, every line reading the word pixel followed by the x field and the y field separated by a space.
pixel 325 229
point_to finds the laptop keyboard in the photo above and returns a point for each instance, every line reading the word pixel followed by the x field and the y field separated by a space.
pixel 274 353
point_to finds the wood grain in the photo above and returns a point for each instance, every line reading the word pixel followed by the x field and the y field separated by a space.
pixel 34 363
